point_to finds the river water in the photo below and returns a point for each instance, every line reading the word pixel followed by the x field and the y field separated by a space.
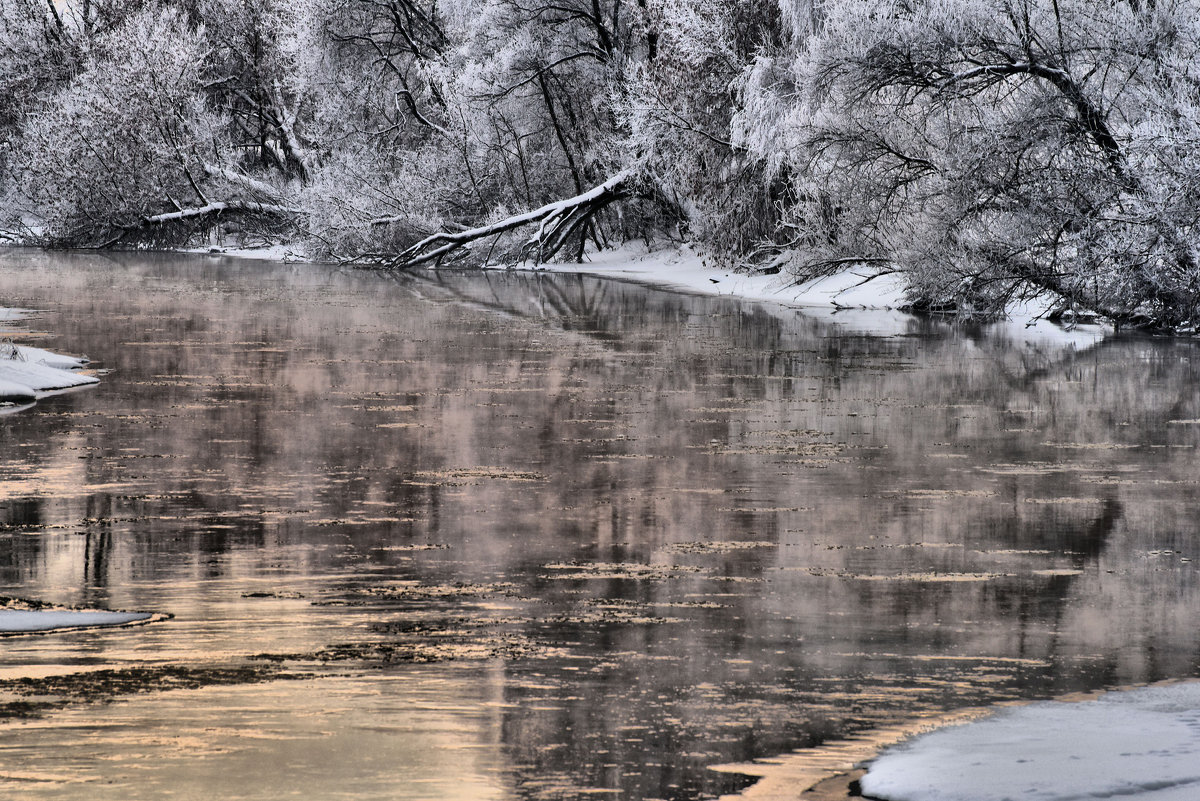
pixel 532 536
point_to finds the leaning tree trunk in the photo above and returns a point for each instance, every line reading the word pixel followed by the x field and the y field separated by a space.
pixel 556 223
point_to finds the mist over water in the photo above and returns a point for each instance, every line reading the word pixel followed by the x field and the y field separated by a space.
pixel 531 536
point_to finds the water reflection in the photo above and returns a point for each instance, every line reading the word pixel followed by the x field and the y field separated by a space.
pixel 670 531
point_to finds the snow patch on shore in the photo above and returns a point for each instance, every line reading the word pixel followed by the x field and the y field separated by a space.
pixel 859 298
pixel 41 378
pixel 46 357
pixel 682 268
pixel 281 252
pixel 1141 744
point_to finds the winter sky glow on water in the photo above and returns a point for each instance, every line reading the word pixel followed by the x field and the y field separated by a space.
pixel 524 536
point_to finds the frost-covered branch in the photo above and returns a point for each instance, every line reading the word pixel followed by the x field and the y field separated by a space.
pixel 199 214
pixel 245 207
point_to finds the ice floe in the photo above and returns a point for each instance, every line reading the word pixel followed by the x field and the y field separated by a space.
pixel 28 373
pixel 13 621
pixel 1141 745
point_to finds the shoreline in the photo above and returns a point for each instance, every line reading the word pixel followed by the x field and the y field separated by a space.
pixel 833 770
pixel 856 298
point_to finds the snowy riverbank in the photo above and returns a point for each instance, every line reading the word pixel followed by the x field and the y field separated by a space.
pixel 1142 743
pixel 857 298
pixel 1138 743
pixel 28 373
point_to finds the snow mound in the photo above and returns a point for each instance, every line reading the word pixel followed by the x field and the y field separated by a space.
pixel 48 358
pixel 24 369
pixel 859 298
pixel 14 392
pixel 1142 745
pixel 14 621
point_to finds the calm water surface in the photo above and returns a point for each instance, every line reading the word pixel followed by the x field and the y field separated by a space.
pixel 521 536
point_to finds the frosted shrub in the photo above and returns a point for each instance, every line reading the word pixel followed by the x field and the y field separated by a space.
pixel 125 138
pixel 360 202
pixel 996 149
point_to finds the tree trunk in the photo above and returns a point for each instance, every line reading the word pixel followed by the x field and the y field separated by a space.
pixel 556 222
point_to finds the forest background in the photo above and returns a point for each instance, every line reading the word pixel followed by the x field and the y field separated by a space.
pixel 987 150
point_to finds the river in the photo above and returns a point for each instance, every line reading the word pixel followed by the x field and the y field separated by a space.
pixel 530 536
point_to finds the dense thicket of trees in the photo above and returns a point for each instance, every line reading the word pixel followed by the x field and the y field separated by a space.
pixel 986 148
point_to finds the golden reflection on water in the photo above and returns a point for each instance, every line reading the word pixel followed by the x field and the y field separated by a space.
pixel 523 536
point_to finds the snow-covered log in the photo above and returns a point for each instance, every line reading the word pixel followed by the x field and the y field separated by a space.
pixel 274 211
pixel 556 222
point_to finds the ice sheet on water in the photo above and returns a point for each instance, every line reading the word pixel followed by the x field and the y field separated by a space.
pixel 8 314
pixel 40 377
pixel 20 620
pixel 1141 745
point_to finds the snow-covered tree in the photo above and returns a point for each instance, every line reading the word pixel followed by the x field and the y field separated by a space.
pixel 995 147
pixel 452 116
pixel 249 69
pixel 37 51
pixel 130 147
pixel 988 148
pixel 680 102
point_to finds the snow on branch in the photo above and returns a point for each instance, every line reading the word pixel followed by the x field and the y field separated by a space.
pixel 556 222
pixel 271 209
pixel 197 213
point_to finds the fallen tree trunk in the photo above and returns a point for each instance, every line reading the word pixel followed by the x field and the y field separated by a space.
pixel 197 213
pixel 556 222
pixel 271 209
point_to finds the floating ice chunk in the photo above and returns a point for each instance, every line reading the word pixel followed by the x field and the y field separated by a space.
pixel 9 314
pixel 19 620
pixel 40 377
pixel 1141 745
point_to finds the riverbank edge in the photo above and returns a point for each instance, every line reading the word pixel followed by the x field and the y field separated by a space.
pixel 831 771
pixel 860 298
